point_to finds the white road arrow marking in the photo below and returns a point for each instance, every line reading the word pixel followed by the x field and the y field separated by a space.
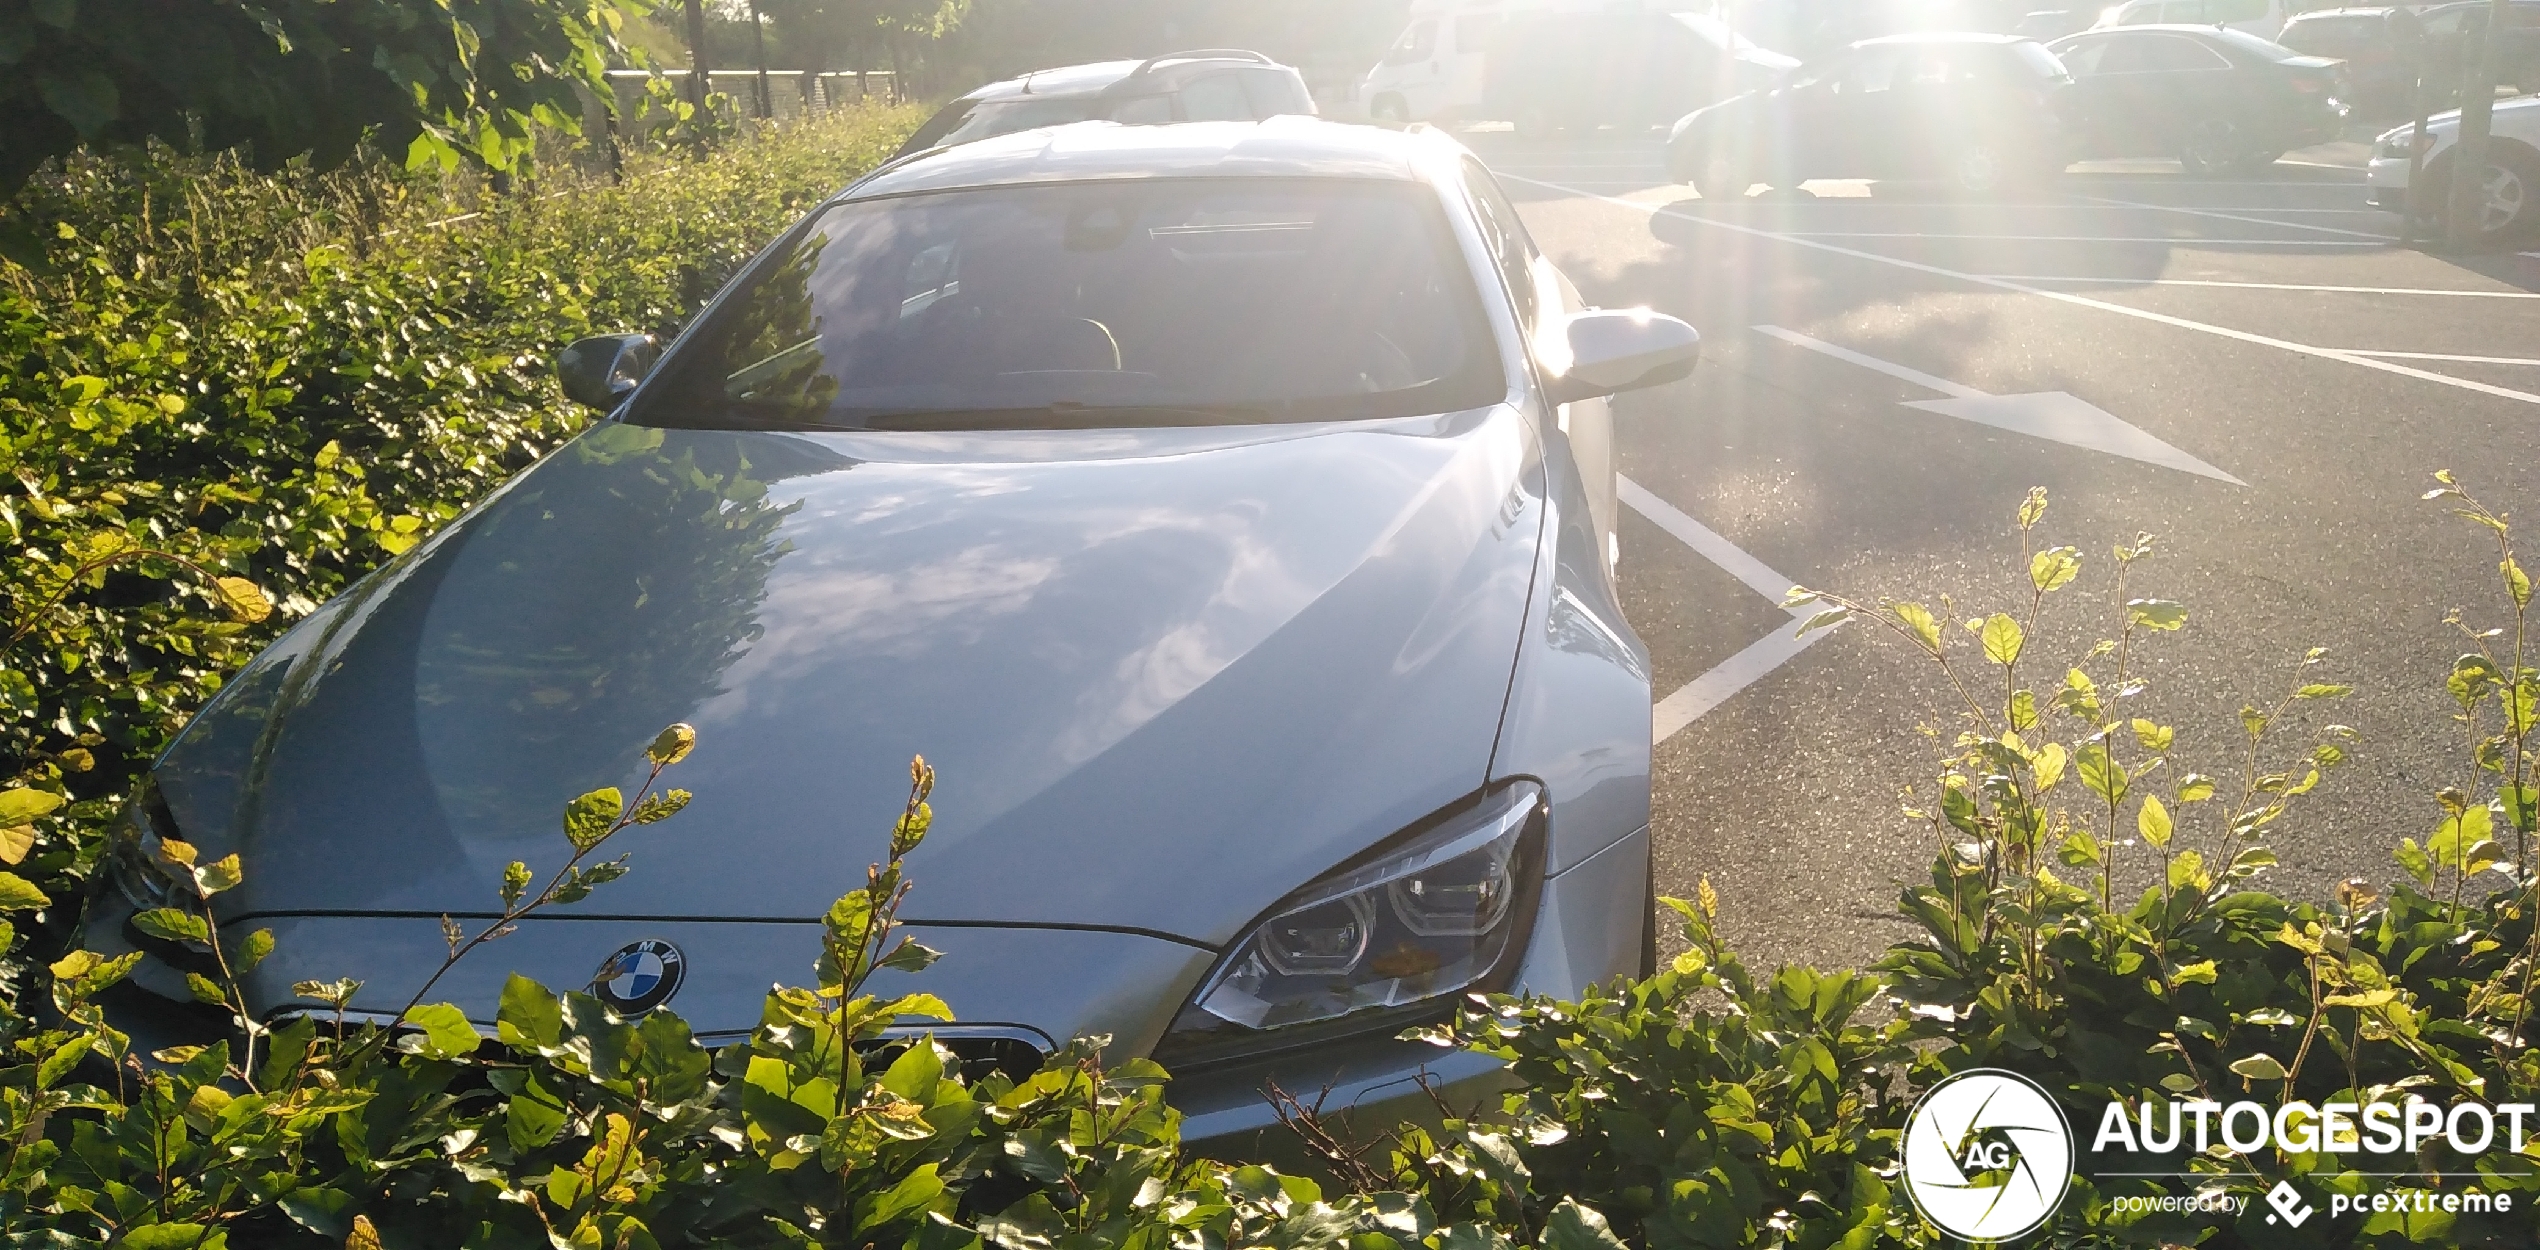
pixel 2052 415
pixel 1750 664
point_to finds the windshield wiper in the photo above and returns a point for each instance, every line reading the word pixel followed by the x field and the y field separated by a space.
pixel 1066 417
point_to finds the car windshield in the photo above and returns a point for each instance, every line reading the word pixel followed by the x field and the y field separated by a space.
pixel 1171 301
pixel 1004 117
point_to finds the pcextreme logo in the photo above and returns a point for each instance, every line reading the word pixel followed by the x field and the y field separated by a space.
pixel 1987 1155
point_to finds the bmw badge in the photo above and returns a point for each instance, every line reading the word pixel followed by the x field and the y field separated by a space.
pixel 639 977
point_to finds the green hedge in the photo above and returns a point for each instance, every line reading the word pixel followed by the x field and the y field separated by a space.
pixel 284 379
pixel 1705 1107
pixel 227 395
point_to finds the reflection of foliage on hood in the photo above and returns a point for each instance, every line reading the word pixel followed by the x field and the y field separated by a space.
pixel 610 592
pixel 774 343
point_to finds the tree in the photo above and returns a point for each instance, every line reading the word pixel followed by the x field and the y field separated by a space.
pixel 283 79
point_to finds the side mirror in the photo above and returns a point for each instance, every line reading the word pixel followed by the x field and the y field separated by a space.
pixel 600 371
pixel 1605 351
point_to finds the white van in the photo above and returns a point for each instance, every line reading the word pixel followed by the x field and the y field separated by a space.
pixel 1561 62
pixel 2263 18
pixel 1433 71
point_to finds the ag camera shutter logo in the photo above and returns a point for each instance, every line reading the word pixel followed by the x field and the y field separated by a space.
pixel 1988 1155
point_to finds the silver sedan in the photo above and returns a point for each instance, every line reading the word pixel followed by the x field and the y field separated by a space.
pixel 1226 510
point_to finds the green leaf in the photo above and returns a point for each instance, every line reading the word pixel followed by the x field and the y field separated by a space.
pixel 2517 583
pixel 672 745
pixel 206 990
pixel 1919 621
pixel 64 1058
pixel 2080 850
pixel 2259 1067
pixel 2202 972
pixel 15 842
pixel 2049 764
pixel 2023 710
pixel 253 950
pixel 221 874
pixel 534 1117
pixel 2033 508
pixel 660 807
pixel 173 924
pixel 2187 872
pixel 174 1237
pixel 2323 691
pixel 2153 821
pixel 2101 772
pixel 2195 788
pixel 2153 737
pixel 1826 619
pixel 19 894
pixel 2002 638
pixel 516 881
pixel 588 819
pixel 446 1033
pixel 2054 567
pixel 2160 614
pixel 241 598
pixel 1576 1227
pixel 2413 858
pixel 22 805
pixel 530 1015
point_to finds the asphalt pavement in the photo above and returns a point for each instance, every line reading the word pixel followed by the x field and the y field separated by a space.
pixel 2254 370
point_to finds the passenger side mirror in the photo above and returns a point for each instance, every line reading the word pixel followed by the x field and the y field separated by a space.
pixel 1610 350
pixel 600 371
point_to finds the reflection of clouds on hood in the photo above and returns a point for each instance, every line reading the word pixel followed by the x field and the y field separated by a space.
pixel 1258 590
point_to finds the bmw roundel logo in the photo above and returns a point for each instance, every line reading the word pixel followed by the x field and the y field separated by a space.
pixel 639 977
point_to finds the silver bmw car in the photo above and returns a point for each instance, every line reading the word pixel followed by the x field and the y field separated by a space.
pixel 1226 510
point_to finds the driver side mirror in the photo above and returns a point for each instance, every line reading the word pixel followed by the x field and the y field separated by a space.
pixel 600 371
pixel 1609 350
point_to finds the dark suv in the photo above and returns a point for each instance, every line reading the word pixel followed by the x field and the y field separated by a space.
pixel 1208 85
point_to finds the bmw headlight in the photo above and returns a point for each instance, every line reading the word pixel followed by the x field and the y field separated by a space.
pixel 1438 912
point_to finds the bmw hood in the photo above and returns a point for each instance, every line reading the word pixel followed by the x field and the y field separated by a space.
pixel 1166 676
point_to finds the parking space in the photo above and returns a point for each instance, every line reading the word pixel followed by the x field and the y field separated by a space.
pixel 2253 368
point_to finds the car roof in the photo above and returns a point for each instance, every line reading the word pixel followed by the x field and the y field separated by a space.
pixel 1095 77
pixel 1950 36
pixel 2205 29
pixel 2360 10
pixel 1284 146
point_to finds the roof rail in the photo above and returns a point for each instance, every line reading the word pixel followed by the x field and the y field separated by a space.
pixel 1201 54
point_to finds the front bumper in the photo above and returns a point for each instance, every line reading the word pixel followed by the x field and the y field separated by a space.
pixel 1040 985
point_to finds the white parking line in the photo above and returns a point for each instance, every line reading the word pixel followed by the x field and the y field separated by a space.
pixel 1713 688
pixel 2065 297
pixel 2264 286
pixel 1690 701
pixel 1705 541
pixel 2082 238
pixel 2220 215
pixel 2466 360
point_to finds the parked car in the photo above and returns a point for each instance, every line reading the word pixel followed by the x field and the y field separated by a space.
pixel 2218 99
pixel 1225 511
pixel 1546 63
pixel 1982 111
pixel 2262 18
pixel 1208 85
pixel 2510 189
pixel 2448 26
pixel 1582 70
pixel 2382 47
